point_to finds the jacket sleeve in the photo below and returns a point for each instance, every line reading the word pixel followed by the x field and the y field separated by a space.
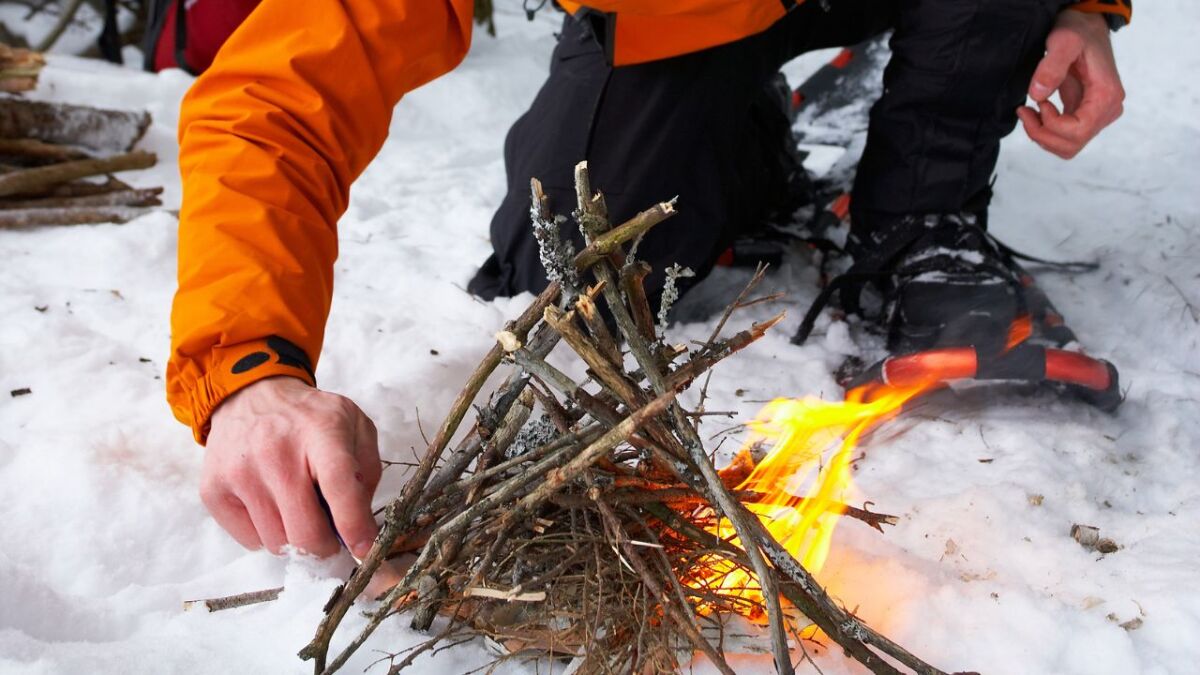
pixel 295 105
pixel 1120 10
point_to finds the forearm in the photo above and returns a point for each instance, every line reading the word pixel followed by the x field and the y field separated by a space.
pixel 296 104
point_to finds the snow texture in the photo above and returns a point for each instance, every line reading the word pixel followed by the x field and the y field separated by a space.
pixel 104 535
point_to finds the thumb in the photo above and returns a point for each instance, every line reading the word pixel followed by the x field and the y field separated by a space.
pixel 1051 72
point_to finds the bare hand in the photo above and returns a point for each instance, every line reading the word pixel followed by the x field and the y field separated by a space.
pixel 270 446
pixel 1080 66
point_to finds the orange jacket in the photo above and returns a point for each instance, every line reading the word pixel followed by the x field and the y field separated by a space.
pixel 295 105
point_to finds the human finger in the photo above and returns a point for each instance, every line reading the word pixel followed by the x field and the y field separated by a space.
pixel 231 515
pixel 344 486
pixel 1071 94
pixel 1077 129
pixel 1037 132
pixel 1062 50
pixel 366 449
pixel 304 521
pixel 264 513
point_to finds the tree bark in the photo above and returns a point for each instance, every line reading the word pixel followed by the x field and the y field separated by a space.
pixel 31 180
pixel 91 128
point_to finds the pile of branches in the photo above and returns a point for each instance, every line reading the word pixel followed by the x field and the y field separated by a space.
pixel 575 519
pixel 57 159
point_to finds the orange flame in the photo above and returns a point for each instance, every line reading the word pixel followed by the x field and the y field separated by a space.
pixel 801 433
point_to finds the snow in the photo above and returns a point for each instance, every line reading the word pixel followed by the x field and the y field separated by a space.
pixel 104 535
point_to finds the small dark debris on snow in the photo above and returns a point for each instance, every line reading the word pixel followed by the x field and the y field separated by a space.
pixel 142 359
pixel 42 308
pixel 1132 624
pixel 1089 537
pixel 1086 535
pixel 987 460
pixel 433 352
pixel 23 391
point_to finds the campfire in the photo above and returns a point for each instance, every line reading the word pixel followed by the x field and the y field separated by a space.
pixel 586 521
pixel 812 443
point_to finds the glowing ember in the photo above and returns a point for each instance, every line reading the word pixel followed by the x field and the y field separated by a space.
pixel 801 432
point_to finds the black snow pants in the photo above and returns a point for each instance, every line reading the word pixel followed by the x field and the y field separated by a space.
pixel 699 126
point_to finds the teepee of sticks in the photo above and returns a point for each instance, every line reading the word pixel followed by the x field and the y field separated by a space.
pixel 574 519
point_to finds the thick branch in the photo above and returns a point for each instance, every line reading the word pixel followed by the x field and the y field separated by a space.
pixel 30 180
pixel 11 219
pixel 137 197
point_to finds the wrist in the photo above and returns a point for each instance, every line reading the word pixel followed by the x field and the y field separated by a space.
pixel 1098 22
pixel 266 392
pixel 237 367
pixel 1093 20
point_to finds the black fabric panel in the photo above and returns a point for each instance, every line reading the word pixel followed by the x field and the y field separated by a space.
pixel 959 69
pixel 706 127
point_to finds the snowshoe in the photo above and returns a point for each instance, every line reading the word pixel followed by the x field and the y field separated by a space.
pixel 958 306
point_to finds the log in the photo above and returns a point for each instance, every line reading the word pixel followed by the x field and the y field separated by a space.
pixel 96 129
pixel 31 180
pixel 130 197
pixel 75 188
pixel 15 219
pixel 19 69
pixel 31 149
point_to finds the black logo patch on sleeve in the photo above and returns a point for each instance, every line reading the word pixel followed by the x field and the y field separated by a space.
pixel 250 361
pixel 290 355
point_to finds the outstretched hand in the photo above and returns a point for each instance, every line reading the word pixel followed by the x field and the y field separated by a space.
pixel 1080 66
pixel 270 447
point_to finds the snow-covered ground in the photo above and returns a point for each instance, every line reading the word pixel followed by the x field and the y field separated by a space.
pixel 102 534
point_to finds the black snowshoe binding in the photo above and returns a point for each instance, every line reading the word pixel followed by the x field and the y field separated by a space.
pixel 958 306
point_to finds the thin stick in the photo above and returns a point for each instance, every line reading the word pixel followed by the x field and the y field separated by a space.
pixel 586 308
pixel 755 280
pixel 707 358
pixel 233 601
pixel 65 17
pixel 633 279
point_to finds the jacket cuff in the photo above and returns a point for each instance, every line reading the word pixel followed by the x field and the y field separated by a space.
pixel 237 366
pixel 1117 12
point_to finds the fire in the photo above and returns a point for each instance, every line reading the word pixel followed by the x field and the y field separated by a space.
pixel 801 433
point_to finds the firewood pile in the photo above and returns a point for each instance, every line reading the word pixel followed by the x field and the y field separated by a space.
pixel 57 159
pixel 575 520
